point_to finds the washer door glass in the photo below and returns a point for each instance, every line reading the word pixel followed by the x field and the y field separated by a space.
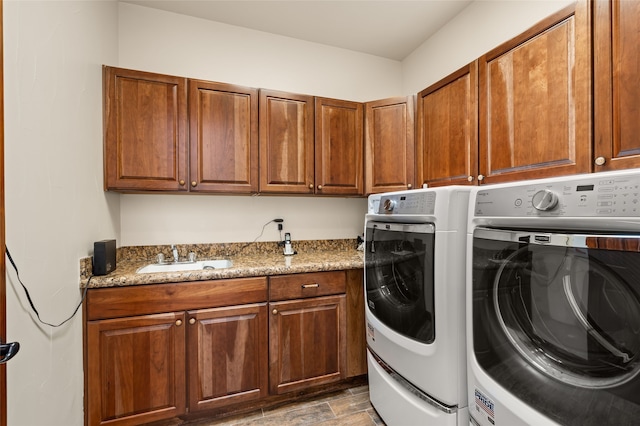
pixel 399 277
pixel 556 318
pixel 570 314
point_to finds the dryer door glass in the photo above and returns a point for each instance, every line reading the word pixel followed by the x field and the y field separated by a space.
pixel 567 305
pixel 399 277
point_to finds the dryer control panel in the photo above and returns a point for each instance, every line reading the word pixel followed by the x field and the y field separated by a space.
pixel 416 202
pixel 599 195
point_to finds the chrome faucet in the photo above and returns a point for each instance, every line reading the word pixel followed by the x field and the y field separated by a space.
pixel 174 250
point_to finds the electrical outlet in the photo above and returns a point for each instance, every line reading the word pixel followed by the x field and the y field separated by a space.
pixel 279 227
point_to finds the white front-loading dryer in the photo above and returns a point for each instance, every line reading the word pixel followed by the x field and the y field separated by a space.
pixel 415 311
pixel 553 301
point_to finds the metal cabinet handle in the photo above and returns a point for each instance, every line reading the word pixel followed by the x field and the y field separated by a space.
pixel 409 186
pixel 310 186
pixel 178 323
pixel 274 312
pixel 194 183
pixel 470 179
pixel 181 182
pixel 314 285
pixel 192 321
pixel 319 187
pixel 600 161
pixel 8 351
pixel 480 178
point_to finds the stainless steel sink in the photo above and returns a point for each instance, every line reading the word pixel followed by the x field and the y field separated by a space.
pixel 185 266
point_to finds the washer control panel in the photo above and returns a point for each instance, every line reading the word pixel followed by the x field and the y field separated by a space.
pixel 615 195
pixel 408 203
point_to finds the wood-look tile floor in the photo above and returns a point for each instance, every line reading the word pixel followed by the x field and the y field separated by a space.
pixel 347 407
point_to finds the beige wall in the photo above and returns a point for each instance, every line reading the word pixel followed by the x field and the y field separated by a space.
pixel 166 219
pixel 175 44
pixel 55 206
pixel 480 27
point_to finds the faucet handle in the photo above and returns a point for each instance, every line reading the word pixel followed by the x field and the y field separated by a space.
pixel 160 258
pixel 192 257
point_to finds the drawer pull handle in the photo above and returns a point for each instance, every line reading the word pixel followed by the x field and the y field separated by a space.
pixel 315 285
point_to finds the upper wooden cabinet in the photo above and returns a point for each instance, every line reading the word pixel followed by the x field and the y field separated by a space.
pixel 296 144
pixel 616 89
pixel 535 101
pixel 223 137
pixel 338 147
pixel 145 131
pixel 146 142
pixel 286 142
pixel 447 147
pixel 389 144
pixel 310 145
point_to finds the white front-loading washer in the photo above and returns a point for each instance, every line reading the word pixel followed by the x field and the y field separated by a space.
pixel 553 301
pixel 415 311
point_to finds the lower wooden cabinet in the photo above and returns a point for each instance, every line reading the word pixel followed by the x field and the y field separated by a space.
pixel 135 369
pixel 155 352
pixel 227 356
pixel 160 351
pixel 306 343
pixel 355 328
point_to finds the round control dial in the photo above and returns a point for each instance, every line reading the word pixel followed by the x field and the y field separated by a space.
pixel 388 205
pixel 545 200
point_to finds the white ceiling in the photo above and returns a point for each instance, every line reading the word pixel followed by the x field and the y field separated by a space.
pixel 390 29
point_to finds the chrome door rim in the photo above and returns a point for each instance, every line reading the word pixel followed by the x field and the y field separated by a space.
pixel 538 358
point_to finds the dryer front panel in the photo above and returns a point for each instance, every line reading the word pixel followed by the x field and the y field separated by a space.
pixel 556 321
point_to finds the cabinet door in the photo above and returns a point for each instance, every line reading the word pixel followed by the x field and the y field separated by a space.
pixel 135 369
pixel 389 145
pixel 535 101
pixel 448 130
pixel 616 88
pixel 286 142
pixel 306 343
pixel 223 137
pixel 356 337
pixel 338 147
pixel 145 131
pixel 228 356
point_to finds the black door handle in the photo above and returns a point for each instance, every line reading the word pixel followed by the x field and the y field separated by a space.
pixel 8 351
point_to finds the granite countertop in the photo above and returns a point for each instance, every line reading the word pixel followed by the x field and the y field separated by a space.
pixel 249 260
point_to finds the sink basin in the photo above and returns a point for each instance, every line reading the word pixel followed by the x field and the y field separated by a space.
pixel 185 266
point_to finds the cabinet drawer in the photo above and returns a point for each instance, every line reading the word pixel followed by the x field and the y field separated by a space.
pixel 297 286
pixel 118 302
